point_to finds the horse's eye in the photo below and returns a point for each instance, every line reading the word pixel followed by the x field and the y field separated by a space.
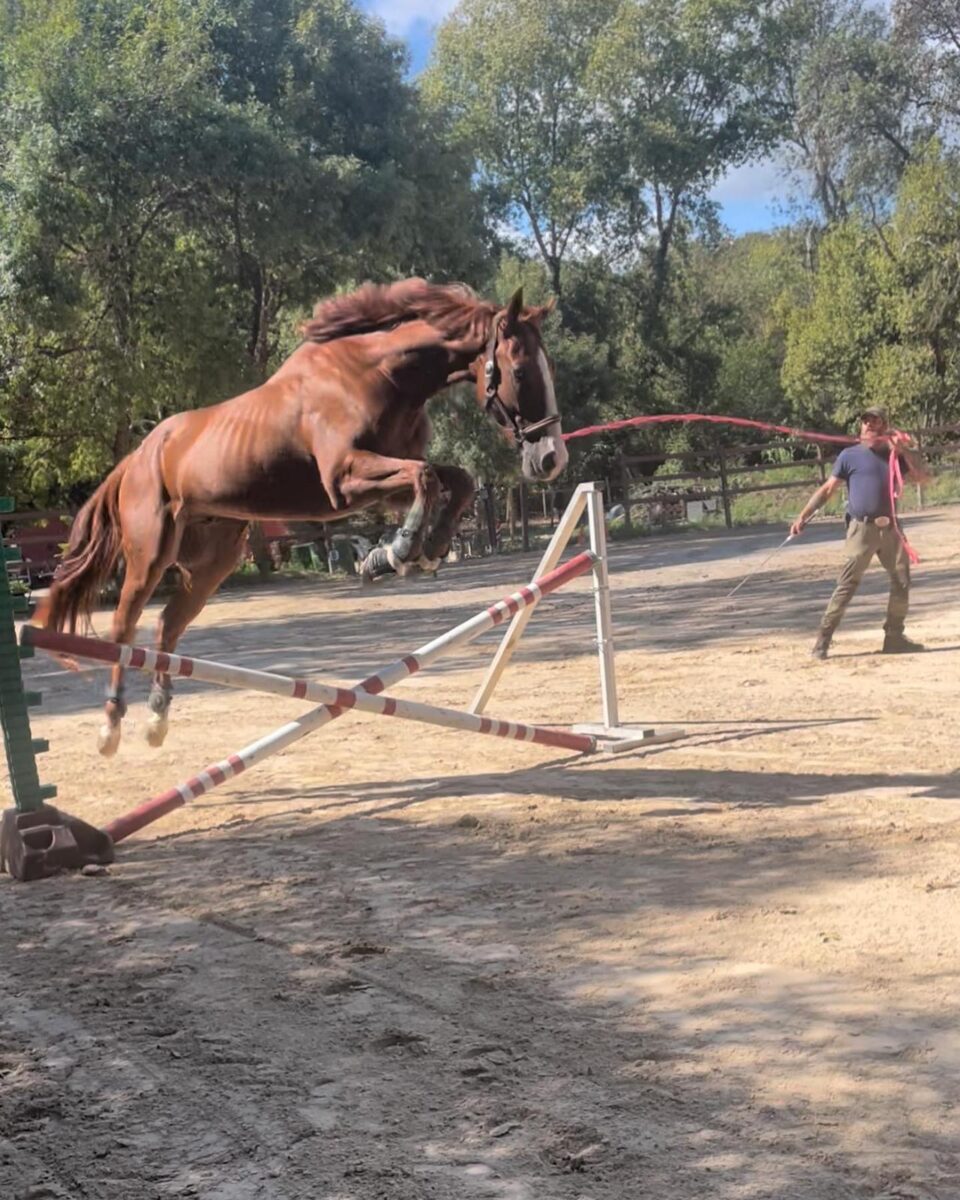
pixel 519 374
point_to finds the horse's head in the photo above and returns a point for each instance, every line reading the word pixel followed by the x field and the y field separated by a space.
pixel 515 386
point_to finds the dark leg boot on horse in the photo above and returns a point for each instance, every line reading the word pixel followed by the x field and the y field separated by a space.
pixel 369 476
pixel 161 693
pixel 410 550
pixel 398 558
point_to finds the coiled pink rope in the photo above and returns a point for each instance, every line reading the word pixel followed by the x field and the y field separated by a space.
pixel 895 483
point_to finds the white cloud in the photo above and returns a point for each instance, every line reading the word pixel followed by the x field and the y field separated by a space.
pixel 400 16
pixel 756 181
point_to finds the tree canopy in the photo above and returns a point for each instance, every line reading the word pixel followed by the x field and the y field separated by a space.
pixel 178 182
pixel 181 179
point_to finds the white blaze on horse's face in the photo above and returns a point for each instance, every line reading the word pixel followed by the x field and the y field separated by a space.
pixel 545 458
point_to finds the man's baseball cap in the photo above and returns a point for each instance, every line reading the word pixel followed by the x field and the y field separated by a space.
pixel 874 411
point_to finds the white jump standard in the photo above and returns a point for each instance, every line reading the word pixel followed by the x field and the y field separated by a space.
pixel 613 736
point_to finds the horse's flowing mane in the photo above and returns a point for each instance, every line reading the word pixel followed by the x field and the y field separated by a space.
pixel 452 309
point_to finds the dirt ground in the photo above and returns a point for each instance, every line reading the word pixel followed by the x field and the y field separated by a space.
pixel 399 963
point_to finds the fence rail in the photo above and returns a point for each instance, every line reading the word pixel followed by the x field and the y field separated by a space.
pixel 717 472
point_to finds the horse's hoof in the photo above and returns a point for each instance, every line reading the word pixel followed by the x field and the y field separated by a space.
pixel 156 731
pixel 376 566
pixel 429 566
pixel 109 739
pixel 372 579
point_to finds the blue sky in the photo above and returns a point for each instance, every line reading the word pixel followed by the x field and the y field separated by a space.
pixel 749 197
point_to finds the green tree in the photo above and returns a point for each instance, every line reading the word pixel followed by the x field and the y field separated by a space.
pixel 752 283
pixel 512 75
pixel 687 93
pixel 930 31
pixel 324 166
pixel 882 325
pixel 857 99
pixel 179 179
pixel 99 106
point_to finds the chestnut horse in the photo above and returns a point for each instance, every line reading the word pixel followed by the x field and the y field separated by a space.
pixel 340 426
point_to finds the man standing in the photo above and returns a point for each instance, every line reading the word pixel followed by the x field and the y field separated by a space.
pixel 871 529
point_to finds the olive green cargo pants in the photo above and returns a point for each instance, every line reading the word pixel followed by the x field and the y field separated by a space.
pixel 864 540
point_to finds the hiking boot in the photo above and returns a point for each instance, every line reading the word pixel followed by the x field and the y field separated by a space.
pixel 899 643
pixel 821 646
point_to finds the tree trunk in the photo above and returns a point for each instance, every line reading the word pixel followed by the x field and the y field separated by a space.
pixel 666 206
pixel 555 277
pixel 490 506
pixel 122 441
pixel 512 512
pixel 259 550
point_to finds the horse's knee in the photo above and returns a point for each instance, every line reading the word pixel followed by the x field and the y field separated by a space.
pixel 426 484
pixel 460 486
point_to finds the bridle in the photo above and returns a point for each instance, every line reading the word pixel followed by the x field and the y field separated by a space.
pixel 523 431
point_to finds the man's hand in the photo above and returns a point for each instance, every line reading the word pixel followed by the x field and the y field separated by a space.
pixel 798 526
pixel 901 440
pixel 903 444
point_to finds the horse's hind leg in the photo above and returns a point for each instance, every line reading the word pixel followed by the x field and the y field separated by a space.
pixel 149 545
pixel 460 490
pixel 209 550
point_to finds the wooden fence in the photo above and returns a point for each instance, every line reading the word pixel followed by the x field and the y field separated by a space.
pixel 715 476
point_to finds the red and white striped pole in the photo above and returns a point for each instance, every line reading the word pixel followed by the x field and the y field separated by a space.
pixel 141 659
pixel 367 696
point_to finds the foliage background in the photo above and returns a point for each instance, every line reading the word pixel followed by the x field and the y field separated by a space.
pixel 181 179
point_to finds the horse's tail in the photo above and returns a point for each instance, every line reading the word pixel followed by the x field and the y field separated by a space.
pixel 90 560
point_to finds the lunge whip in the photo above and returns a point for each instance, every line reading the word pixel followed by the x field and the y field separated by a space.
pixel 750 574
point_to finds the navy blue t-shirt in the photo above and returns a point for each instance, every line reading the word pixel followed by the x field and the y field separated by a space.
pixel 866 474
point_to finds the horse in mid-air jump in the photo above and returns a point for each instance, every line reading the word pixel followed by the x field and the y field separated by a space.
pixel 339 427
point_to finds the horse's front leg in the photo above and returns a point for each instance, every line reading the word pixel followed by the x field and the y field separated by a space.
pixel 459 488
pixel 366 478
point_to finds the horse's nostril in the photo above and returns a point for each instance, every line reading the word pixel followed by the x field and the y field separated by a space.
pixel 548 462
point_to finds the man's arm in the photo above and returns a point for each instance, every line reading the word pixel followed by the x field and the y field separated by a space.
pixel 919 471
pixel 817 500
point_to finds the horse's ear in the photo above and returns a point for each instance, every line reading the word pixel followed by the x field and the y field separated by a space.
pixel 540 312
pixel 514 309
